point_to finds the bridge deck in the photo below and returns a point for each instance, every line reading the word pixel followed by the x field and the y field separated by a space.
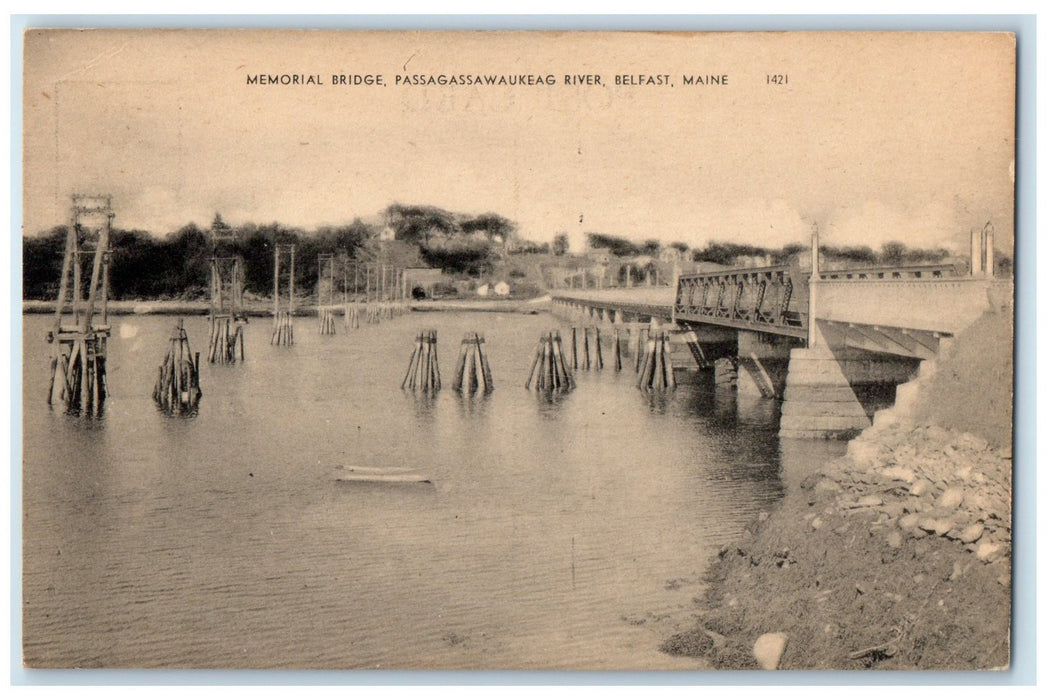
pixel 929 299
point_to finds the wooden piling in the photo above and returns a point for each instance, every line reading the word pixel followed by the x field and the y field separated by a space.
pixel 549 366
pixel 640 345
pixel 177 388
pixel 472 372
pixel 325 316
pixel 657 372
pixel 423 370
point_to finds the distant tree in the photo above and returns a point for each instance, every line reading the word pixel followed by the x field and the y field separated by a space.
pixel 418 223
pixel 892 253
pixel 524 247
pixel 726 253
pixel 788 252
pixel 614 244
pixel 346 238
pixel 858 254
pixel 1004 264
pixel 680 246
pixel 925 255
pixel 561 244
pixel 458 256
pixel 491 224
pixel 191 252
pixel 141 267
pixel 651 247
pixel 42 263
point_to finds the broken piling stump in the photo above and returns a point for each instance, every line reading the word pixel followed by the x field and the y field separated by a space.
pixel 326 317
pixel 473 371
pixel 549 366
pixel 423 371
pixel 177 387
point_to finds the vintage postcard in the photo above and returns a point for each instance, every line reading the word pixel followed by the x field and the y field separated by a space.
pixel 517 350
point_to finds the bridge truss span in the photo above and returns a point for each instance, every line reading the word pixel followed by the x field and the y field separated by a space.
pixel 772 299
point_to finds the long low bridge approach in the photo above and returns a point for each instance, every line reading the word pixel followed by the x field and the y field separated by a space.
pixel 874 326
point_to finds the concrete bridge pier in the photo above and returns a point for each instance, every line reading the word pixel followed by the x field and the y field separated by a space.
pixel 763 363
pixel 826 390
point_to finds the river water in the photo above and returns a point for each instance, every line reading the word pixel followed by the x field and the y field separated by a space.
pixel 570 533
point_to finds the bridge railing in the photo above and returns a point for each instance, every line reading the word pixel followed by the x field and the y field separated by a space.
pixel 768 298
pixel 775 298
pixel 908 272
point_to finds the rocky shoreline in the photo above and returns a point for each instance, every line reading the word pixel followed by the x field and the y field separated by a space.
pixel 895 556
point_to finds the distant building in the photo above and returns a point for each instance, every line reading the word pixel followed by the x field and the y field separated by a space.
pixel 754 261
pixel 670 255
pixel 424 279
pixel 599 256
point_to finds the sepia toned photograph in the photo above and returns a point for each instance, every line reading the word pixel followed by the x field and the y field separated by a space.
pixel 517 350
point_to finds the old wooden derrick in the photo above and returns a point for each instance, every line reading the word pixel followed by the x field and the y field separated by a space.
pixel 227 314
pixel 283 313
pixel 81 327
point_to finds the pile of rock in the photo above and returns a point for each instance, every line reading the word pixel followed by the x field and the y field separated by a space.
pixel 924 481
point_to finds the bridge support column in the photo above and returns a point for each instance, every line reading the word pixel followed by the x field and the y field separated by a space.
pixel 763 363
pixel 725 373
pixel 819 401
pixel 831 391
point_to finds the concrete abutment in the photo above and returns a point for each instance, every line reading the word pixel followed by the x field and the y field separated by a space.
pixel 824 389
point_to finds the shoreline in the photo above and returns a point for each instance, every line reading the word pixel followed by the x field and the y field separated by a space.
pixel 894 556
pixel 264 308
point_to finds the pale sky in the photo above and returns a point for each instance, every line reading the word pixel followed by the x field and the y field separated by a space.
pixel 875 137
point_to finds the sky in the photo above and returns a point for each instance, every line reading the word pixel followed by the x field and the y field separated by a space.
pixel 875 137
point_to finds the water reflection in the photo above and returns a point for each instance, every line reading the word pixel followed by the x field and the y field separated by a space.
pixel 423 403
pixel 660 401
pixel 550 401
pixel 474 404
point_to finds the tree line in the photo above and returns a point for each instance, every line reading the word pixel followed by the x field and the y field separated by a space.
pixel 144 266
pixel 725 253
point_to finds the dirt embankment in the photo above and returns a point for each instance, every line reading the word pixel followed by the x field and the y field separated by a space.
pixel 896 556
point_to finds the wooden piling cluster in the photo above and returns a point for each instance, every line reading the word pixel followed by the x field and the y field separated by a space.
pixel 656 372
pixel 473 371
pixel 423 371
pixel 549 370
pixel 80 374
pixel 178 379
pixel 226 335
pixel 326 316
pixel 351 316
pixel 283 329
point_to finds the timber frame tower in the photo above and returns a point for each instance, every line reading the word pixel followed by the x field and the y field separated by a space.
pixel 227 313
pixel 81 326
